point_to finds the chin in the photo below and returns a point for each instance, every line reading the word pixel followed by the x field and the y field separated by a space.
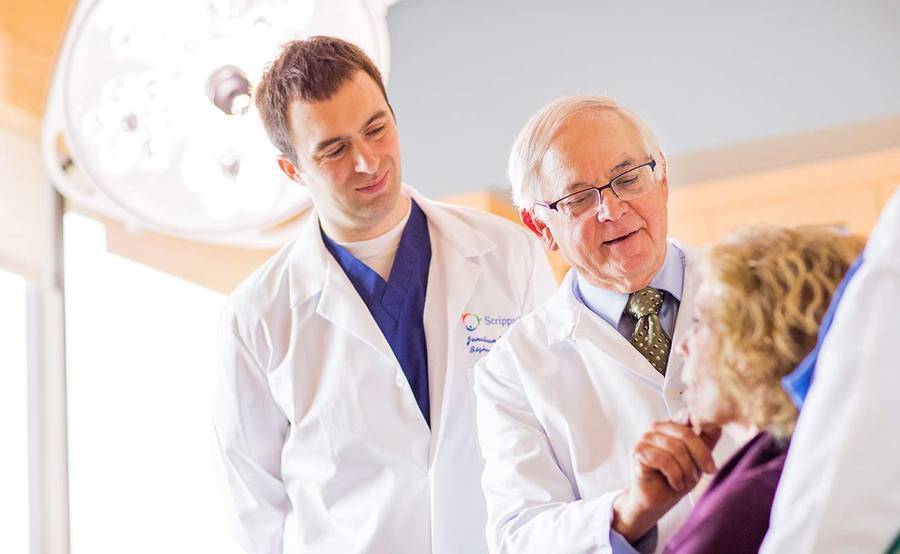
pixel 642 267
pixel 636 272
pixel 384 205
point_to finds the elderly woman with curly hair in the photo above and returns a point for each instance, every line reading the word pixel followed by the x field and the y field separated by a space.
pixel 758 311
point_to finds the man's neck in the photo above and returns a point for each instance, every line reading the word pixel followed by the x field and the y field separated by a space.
pixel 367 231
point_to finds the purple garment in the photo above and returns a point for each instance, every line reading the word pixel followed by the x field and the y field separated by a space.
pixel 733 514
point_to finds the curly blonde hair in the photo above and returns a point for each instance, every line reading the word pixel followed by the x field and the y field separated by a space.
pixel 775 285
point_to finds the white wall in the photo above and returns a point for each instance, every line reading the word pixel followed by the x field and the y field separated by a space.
pixel 466 74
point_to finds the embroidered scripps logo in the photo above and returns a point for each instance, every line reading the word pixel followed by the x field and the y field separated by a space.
pixel 474 321
pixel 471 321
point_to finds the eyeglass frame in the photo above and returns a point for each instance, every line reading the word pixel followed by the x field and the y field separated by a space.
pixel 552 205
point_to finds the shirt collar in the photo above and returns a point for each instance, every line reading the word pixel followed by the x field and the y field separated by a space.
pixel 610 304
pixel 671 276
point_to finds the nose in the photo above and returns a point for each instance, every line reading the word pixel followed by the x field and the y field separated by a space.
pixel 611 208
pixel 365 160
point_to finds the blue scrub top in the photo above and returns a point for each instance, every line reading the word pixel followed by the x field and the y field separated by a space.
pixel 398 304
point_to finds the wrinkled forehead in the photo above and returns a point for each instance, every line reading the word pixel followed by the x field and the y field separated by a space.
pixel 589 150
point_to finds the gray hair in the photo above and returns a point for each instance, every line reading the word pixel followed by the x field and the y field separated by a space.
pixel 534 140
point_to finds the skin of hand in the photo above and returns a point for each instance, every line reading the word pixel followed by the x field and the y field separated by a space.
pixel 668 462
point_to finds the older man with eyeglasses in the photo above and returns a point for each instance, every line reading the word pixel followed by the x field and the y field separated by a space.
pixel 565 396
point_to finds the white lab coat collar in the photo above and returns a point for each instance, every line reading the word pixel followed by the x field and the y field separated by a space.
pixel 692 280
pixel 309 261
pixel 563 311
pixel 312 266
pixel 314 271
pixel 465 239
pixel 569 319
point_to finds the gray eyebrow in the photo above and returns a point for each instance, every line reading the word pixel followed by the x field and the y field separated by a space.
pixel 627 162
pixel 574 187
pixel 581 185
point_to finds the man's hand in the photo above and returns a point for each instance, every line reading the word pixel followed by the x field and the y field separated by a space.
pixel 668 462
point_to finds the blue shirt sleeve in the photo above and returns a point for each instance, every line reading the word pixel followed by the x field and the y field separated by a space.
pixel 644 545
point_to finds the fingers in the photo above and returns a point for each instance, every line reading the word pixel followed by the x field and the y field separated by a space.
pixel 698 449
pixel 672 451
pixel 677 450
pixel 650 459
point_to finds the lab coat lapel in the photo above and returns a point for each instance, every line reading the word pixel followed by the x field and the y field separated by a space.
pixel 460 277
pixel 315 271
pixel 341 304
pixel 452 278
pixel 674 381
pixel 594 338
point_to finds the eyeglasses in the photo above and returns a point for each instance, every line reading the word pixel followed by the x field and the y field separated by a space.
pixel 629 185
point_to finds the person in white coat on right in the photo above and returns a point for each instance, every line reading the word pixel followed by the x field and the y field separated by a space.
pixel 566 394
pixel 840 489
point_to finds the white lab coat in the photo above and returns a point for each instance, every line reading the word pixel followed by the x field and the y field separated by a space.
pixel 840 489
pixel 561 402
pixel 323 445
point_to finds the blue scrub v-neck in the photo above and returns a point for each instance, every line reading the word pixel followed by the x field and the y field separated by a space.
pixel 398 304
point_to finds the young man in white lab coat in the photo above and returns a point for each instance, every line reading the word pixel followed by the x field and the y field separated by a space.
pixel 345 410
pixel 567 393
pixel 840 489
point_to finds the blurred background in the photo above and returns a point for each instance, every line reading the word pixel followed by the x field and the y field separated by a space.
pixel 137 189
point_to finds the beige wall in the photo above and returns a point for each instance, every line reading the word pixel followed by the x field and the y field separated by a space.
pixel 847 192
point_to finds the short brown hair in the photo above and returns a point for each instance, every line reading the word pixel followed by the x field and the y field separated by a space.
pixel 308 70
pixel 776 285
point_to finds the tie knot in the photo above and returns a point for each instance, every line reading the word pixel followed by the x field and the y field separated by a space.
pixel 644 302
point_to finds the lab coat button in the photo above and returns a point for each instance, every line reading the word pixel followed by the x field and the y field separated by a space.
pixel 400 380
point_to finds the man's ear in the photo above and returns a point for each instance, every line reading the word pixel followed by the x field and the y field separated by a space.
pixel 663 166
pixel 529 221
pixel 290 169
pixel 539 228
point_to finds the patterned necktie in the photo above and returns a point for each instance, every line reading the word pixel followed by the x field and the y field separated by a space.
pixel 649 337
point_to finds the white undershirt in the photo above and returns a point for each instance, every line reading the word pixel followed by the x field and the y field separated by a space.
pixel 378 253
